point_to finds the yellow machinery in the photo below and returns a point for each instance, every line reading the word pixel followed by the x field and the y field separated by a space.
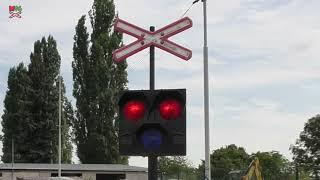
pixel 254 169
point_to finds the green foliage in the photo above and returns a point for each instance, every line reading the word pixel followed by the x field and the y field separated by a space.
pixel 66 123
pixel 97 84
pixel 226 159
pixel 31 109
pixel 177 167
pixel 16 117
pixel 274 166
pixel 200 171
pixel 306 151
pixel 43 71
pixel 232 162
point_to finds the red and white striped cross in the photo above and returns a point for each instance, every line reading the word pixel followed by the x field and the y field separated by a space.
pixel 147 38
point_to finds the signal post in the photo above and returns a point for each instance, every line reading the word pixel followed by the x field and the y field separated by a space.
pixel 152 122
pixel 152 159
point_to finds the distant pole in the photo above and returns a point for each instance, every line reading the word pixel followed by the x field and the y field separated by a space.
pixel 59 171
pixel 297 172
pixel 12 157
pixel 206 95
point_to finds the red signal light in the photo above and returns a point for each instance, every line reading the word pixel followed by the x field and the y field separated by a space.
pixel 170 109
pixel 134 110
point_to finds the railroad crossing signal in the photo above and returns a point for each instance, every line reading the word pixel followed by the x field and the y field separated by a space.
pixel 147 38
pixel 152 122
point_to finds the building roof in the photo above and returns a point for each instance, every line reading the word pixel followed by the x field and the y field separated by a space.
pixel 74 167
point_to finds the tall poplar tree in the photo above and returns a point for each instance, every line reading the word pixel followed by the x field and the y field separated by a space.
pixel 31 109
pixel 44 73
pixel 97 84
pixel 16 120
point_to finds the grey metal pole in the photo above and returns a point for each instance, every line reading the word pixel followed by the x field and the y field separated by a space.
pixel 59 171
pixel 206 95
pixel 12 157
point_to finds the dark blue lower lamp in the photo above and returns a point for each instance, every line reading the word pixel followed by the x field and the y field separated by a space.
pixel 151 139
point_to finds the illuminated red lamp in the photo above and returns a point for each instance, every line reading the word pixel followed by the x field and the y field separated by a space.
pixel 134 110
pixel 170 109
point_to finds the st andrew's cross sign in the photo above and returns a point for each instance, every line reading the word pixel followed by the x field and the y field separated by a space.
pixel 147 38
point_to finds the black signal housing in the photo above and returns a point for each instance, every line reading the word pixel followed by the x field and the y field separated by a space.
pixel 161 130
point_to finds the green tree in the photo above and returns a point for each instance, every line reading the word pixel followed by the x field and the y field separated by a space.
pixel 31 109
pixel 97 84
pixel 226 159
pixel 16 118
pixel 200 171
pixel 177 167
pixel 274 166
pixel 306 151
pixel 44 71
pixel 232 162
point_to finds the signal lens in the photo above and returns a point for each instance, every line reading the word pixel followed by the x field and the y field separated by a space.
pixel 170 109
pixel 134 110
pixel 151 139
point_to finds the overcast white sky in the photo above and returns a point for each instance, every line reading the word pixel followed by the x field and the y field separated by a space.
pixel 263 63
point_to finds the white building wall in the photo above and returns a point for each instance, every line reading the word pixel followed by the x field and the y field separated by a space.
pixel 7 175
pixel 136 176
pixel 44 173
pixel 19 174
pixel 89 176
